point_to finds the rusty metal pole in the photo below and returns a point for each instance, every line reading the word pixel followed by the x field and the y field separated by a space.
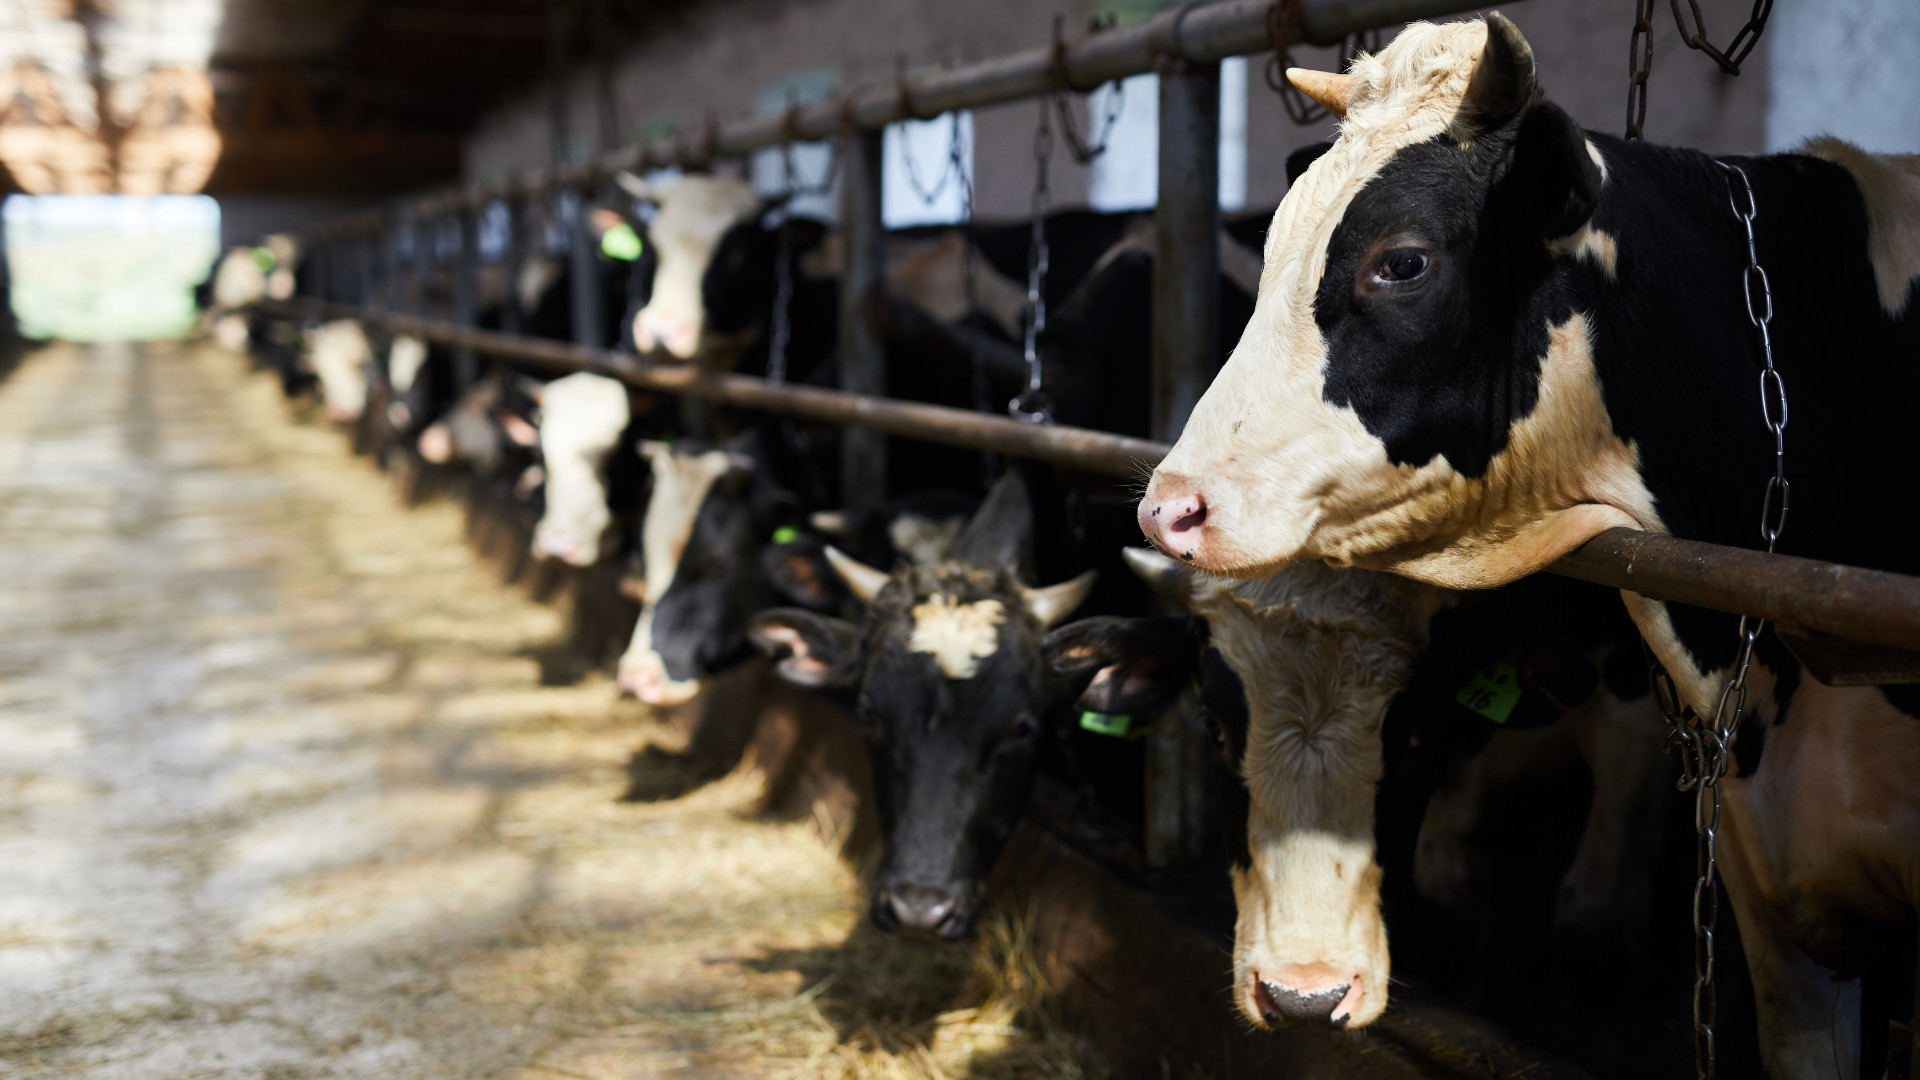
pixel 863 465
pixel 1186 346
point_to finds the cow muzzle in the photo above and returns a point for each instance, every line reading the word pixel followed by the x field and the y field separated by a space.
pixel 651 684
pixel 549 542
pixel 1304 994
pixel 923 910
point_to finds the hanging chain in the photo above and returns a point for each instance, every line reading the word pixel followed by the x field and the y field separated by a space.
pixel 1639 66
pixel 1640 50
pixel 1082 150
pixel 1283 30
pixel 1032 404
pixel 1703 745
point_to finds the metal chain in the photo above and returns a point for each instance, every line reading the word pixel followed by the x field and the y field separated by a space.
pixel 1639 66
pixel 1703 745
pixel 1283 30
pixel 1032 404
pixel 1742 43
pixel 1082 150
pixel 1640 49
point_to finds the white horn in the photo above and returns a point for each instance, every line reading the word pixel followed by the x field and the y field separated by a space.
pixel 1056 602
pixel 1331 89
pixel 862 580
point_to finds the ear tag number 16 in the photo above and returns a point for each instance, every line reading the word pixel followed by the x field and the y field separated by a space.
pixel 1492 691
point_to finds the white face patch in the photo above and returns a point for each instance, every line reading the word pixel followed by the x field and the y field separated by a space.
pixel 338 350
pixel 537 275
pixel 680 486
pixel 239 281
pixel 405 358
pixel 582 417
pixel 693 215
pixel 958 636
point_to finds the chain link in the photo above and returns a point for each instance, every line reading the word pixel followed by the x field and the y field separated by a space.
pixel 1283 31
pixel 1702 744
pixel 1032 404
pixel 1639 67
pixel 1640 50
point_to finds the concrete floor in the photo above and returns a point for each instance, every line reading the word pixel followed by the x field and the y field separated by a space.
pixel 281 794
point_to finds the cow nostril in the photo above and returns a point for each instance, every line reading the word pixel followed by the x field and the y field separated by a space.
pixel 1192 519
pixel 1278 1003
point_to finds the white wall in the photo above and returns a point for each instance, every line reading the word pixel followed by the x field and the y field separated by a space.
pixel 1849 68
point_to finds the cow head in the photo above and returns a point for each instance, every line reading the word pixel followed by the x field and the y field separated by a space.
pixel 339 354
pixel 1303 667
pixel 705 545
pixel 945 673
pixel 581 419
pixel 1415 390
pixel 705 234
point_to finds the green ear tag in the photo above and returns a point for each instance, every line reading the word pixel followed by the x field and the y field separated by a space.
pixel 785 534
pixel 1492 691
pixel 621 242
pixel 264 259
pixel 1116 726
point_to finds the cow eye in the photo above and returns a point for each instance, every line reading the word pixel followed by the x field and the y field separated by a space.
pixel 1214 731
pixel 1026 727
pixel 1401 264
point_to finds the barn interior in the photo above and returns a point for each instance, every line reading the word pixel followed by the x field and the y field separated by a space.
pixel 323 757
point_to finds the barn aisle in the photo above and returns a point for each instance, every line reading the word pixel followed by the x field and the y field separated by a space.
pixel 281 794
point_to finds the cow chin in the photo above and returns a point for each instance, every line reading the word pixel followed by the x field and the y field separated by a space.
pixel 1310 948
pixel 646 678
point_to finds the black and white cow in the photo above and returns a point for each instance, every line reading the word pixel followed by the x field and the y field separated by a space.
pixel 943 668
pixel 724 535
pixel 1333 694
pixel 1485 335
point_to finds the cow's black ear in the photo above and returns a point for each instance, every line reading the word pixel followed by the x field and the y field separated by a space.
pixel 1138 666
pixel 1298 161
pixel 1554 176
pixel 1556 667
pixel 799 570
pixel 814 651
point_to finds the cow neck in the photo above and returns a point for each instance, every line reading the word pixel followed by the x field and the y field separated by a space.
pixel 1679 362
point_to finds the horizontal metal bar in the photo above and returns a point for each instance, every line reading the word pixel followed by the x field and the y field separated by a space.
pixel 1078 448
pixel 1845 601
pixel 1202 33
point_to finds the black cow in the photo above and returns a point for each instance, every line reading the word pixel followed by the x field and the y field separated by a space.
pixel 944 672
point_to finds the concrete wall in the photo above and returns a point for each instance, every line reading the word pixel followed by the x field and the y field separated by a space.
pixel 244 219
pixel 729 58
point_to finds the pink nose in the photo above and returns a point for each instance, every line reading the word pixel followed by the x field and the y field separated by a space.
pixel 1174 524
pixel 559 545
pixel 641 683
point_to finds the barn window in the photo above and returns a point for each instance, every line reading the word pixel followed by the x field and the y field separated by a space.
pixel 1127 176
pixel 918 182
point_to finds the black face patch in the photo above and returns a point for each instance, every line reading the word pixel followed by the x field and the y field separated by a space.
pixel 1435 306
pixel 737 288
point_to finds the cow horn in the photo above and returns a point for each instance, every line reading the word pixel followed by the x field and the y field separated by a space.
pixel 863 581
pixel 1056 602
pixel 1171 581
pixel 636 186
pixel 1503 78
pixel 1331 89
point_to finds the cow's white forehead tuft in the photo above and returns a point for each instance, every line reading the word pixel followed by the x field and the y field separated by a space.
pixel 958 636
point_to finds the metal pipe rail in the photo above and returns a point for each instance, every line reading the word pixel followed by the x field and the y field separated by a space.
pixel 1201 33
pixel 1846 602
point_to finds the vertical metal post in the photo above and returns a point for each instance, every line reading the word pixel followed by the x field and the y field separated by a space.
pixel 398 219
pixel 863 463
pixel 584 268
pixel 466 295
pixel 513 262
pixel 1186 346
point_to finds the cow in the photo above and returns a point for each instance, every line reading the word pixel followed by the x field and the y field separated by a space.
pixel 1334 697
pixel 944 674
pixel 724 535
pixel 1484 335
pixel 339 354
pixel 583 417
